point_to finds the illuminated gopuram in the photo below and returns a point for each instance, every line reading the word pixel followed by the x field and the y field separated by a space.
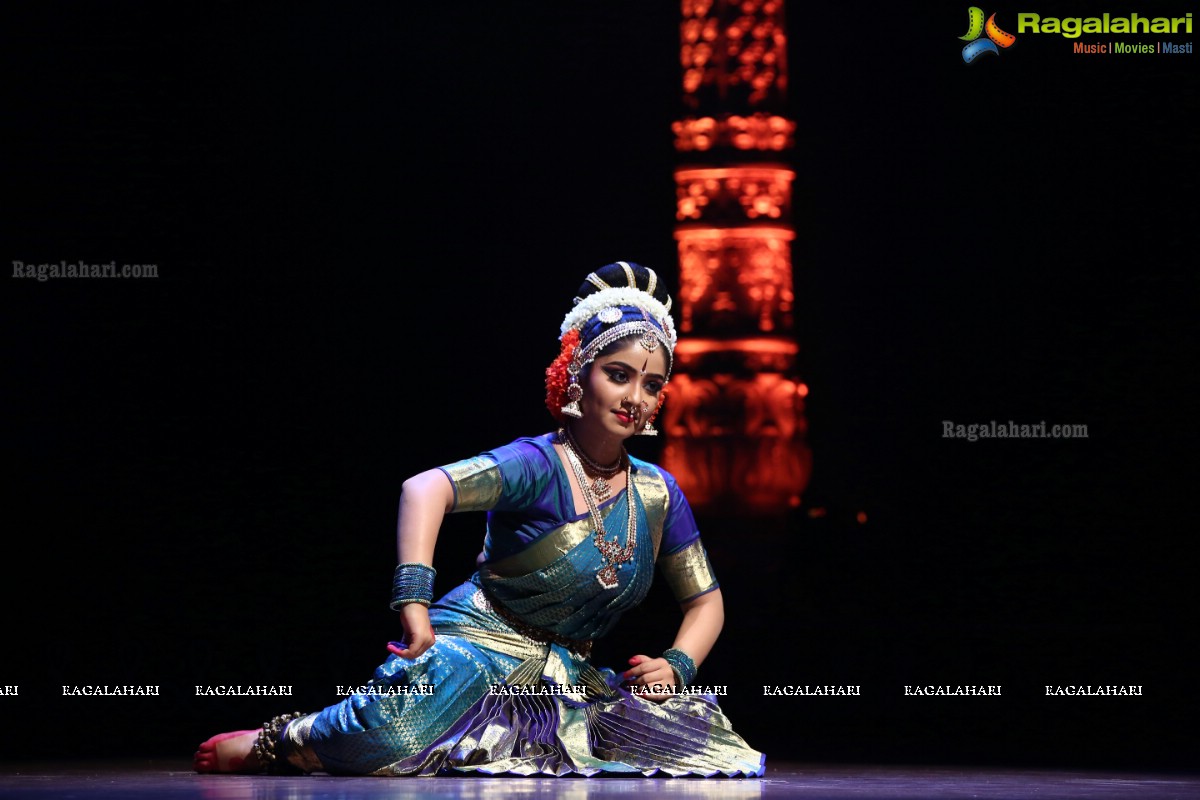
pixel 734 424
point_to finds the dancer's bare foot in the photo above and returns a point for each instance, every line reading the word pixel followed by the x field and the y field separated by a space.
pixel 228 752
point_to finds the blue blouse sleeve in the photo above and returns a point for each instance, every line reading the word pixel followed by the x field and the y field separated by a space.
pixel 507 478
pixel 525 472
pixel 682 558
pixel 679 529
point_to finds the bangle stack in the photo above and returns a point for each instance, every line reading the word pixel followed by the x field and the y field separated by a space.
pixel 682 665
pixel 412 583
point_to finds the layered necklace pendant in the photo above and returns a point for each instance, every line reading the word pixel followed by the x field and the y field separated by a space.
pixel 601 488
pixel 594 491
pixel 607 576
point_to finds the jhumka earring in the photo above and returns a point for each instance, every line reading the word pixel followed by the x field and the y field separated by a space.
pixel 649 429
pixel 574 390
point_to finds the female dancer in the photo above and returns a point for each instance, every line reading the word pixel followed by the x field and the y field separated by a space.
pixel 494 677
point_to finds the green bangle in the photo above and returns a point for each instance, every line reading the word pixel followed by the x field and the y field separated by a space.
pixel 682 665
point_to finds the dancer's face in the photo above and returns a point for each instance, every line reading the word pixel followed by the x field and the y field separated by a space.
pixel 618 384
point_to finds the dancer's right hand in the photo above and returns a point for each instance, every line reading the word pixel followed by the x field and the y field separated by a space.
pixel 418 632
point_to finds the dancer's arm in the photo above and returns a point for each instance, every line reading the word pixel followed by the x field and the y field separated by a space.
pixel 425 499
pixel 703 618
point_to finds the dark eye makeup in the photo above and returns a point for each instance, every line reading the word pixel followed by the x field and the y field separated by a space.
pixel 619 375
pixel 616 374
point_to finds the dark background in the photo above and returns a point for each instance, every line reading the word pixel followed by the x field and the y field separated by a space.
pixel 368 221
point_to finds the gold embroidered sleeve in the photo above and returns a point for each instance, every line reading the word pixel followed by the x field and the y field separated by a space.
pixel 688 572
pixel 477 483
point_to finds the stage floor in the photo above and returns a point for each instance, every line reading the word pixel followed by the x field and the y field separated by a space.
pixel 175 781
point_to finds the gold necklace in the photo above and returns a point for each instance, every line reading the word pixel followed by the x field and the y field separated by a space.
pixel 602 473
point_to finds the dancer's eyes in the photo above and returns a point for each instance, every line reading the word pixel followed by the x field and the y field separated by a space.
pixel 619 375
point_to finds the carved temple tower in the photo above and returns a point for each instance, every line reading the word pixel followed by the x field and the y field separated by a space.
pixel 734 424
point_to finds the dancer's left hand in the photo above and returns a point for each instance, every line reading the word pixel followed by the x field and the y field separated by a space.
pixel 651 678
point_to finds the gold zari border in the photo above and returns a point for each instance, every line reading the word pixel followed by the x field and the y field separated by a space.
pixel 477 483
pixel 651 490
pixel 688 572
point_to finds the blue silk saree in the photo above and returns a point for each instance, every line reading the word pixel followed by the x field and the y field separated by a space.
pixel 507 688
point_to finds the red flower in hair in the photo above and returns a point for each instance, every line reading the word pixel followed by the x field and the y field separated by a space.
pixel 557 378
pixel 662 399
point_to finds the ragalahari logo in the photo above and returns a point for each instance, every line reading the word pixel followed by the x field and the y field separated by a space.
pixel 976 27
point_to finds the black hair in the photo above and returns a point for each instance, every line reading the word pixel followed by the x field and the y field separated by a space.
pixel 614 275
